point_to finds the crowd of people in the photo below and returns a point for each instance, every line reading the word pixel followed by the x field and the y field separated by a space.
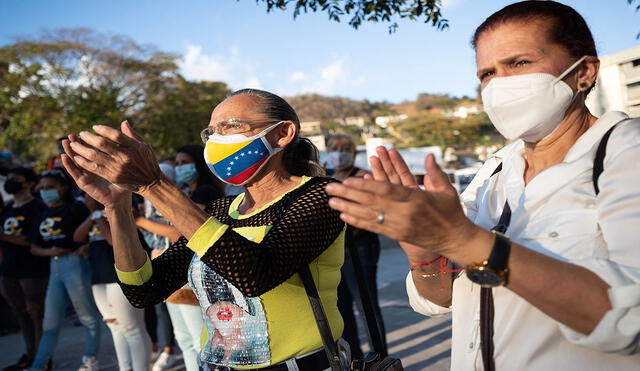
pixel 537 260
pixel 58 248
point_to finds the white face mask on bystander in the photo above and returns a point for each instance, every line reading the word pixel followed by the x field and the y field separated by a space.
pixel 529 106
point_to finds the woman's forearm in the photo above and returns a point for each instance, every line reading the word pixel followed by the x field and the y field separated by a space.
pixel 164 230
pixel 570 294
pixel 433 285
pixel 176 207
pixel 16 240
pixel 105 229
pixel 127 250
pixel 82 232
pixel 430 282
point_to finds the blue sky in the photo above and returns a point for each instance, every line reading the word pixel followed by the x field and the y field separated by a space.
pixel 239 43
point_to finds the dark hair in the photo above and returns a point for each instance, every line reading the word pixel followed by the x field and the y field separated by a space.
pixel 567 27
pixel 61 178
pixel 300 157
pixel 27 173
pixel 204 175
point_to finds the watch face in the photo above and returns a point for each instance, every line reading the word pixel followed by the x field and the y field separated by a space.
pixel 484 277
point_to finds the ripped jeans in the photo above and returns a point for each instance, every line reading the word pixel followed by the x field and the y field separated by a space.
pixel 69 282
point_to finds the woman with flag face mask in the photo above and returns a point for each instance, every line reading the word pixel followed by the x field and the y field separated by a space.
pixel 561 291
pixel 249 247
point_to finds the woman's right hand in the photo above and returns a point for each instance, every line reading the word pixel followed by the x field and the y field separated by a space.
pixel 119 156
pixel 389 166
pixel 110 195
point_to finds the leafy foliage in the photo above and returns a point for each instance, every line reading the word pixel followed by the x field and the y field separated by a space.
pixel 67 80
pixel 359 11
pixel 637 9
pixel 437 130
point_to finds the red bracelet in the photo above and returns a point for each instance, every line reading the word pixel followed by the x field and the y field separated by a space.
pixel 442 268
pixel 420 264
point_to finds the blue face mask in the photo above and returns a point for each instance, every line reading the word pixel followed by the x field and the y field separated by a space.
pixel 50 196
pixel 186 174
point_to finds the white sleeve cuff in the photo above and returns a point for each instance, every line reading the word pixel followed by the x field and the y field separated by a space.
pixel 422 305
pixel 619 329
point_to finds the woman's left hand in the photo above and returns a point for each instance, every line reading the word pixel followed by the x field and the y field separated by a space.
pixel 430 219
pixel 118 156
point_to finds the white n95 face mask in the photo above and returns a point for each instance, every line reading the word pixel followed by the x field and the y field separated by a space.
pixel 529 106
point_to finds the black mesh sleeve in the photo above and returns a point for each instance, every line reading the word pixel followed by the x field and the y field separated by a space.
pixel 303 226
pixel 170 272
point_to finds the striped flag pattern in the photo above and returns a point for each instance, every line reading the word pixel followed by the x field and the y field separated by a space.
pixel 235 163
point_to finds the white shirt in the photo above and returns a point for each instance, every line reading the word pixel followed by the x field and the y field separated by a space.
pixel 558 214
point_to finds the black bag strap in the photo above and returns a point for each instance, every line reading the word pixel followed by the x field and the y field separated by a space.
pixel 486 328
pixel 375 335
pixel 598 161
pixel 330 347
pixel 487 309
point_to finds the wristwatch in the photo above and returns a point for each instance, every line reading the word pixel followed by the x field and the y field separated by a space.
pixel 494 271
pixel 97 214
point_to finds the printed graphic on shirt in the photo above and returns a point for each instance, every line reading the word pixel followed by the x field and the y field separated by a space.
pixel 13 226
pixel 95 234
pixel 50 229
pixel 236 325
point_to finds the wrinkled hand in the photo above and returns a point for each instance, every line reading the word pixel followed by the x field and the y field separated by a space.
pixel 119 156
pixel 97 188
pixel 431 219
pixel 389 166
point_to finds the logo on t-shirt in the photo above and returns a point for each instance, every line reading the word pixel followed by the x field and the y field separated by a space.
pixel 13 226
pixel 50 228
pixel 95 234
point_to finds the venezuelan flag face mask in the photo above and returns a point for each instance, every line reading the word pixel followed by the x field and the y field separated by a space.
pixel 235 158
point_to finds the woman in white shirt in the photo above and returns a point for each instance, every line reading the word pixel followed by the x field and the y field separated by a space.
pixel 565 283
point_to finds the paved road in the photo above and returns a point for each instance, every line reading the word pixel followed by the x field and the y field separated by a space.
pixel 422 343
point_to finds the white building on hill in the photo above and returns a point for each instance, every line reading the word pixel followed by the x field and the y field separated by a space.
pixel 618 84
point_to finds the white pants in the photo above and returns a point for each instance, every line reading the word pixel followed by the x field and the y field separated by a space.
pixel 130 337
pixel 187 328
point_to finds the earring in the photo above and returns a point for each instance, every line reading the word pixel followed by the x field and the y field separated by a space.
pixel 583 86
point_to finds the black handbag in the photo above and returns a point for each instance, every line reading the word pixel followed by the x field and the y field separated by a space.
pixel 375 361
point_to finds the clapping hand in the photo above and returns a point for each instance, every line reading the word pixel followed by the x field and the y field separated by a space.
pixel 120 157
pixel 428 222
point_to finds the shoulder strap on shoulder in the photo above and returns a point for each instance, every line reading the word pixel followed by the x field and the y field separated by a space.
pixel 497 170
pixel 598 161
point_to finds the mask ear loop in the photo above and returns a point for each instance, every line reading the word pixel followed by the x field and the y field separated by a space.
pixel 263 137
pixel 568 70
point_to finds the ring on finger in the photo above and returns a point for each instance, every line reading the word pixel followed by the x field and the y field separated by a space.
pixel 380 218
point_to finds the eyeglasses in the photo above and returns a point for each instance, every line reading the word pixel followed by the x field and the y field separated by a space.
pixel 232 126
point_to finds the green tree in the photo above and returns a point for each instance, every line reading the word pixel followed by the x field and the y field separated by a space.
pixel 67 80
pixel 175 115
pixel 359 11
pixel 437 130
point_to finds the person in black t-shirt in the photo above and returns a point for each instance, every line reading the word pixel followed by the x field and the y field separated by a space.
pixel 340 165
pixel 132 343
pixel 194 178
pixel 70 274
pixel 23 276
